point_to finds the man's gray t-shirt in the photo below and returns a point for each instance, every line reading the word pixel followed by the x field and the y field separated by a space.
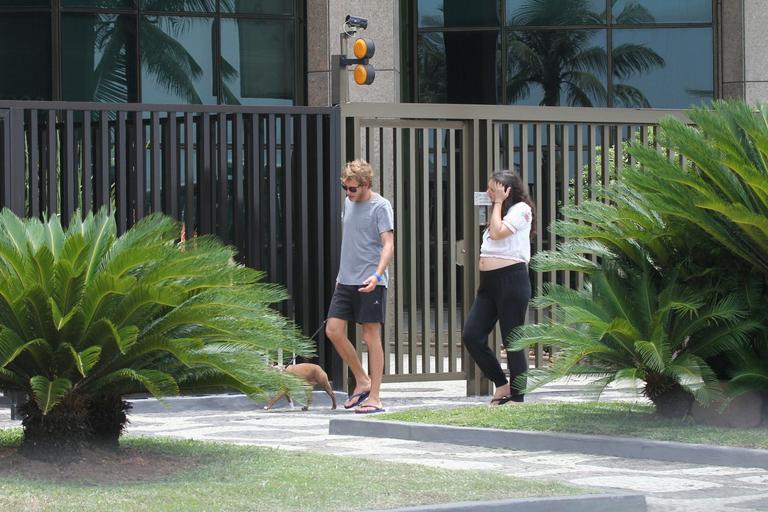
pixel 361 246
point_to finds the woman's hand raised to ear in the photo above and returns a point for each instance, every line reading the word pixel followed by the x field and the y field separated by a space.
pixel 497 192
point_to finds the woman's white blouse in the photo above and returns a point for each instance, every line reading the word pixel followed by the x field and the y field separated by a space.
pixel 516 246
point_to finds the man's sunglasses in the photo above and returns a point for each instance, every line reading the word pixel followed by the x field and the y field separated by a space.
pixel 351 189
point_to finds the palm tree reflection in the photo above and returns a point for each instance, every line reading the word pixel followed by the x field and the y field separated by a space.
pixel 563 63
pixel 164 57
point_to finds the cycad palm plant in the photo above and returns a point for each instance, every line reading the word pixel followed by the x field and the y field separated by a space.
pixel 722 196
pixel 624 325
pixel 698 220
pixel 87 317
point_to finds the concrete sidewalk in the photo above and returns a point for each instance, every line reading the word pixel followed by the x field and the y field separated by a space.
pixel 668 486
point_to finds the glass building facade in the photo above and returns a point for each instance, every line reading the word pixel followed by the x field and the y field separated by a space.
pixel 614 53
pixel 153 51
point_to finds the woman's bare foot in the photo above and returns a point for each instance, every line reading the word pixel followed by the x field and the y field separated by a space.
pixel 503 395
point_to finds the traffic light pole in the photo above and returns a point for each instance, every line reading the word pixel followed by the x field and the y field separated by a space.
pixel 339 79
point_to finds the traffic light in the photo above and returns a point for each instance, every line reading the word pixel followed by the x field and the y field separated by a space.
pixel 363 49
pixel 364 73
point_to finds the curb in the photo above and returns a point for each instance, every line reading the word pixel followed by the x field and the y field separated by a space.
pixel 585 503
pixel 552 441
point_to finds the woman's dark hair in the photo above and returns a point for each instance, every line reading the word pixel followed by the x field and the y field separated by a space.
pixel 518 194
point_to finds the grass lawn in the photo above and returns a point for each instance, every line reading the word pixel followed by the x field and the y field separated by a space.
pixel 212 476
pixel 623 419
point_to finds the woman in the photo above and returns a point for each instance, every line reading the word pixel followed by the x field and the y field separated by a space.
pixel 505 287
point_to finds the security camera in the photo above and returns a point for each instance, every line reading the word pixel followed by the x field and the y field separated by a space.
pixel 356 21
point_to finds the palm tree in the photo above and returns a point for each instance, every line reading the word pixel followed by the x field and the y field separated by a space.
pixel 562 62
pixel 87 317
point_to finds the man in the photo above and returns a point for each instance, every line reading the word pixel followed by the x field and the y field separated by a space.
pixel 367 246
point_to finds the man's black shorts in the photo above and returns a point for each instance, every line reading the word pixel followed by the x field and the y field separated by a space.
pixel 362 308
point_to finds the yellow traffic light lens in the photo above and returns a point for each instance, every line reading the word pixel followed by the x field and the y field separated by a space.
pixel 364 74
pixel 361 74
pixel 363 48
pixel 360 48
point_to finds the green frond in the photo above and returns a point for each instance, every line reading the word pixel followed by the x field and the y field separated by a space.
pixel 47 394
pixel 128 380
pixel 653 355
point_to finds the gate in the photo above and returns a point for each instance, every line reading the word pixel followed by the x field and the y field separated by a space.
pixel 430 160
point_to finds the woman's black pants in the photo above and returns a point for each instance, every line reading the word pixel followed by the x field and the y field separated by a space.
pixel 503 295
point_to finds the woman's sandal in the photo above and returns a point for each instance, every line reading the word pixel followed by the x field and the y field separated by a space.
pixel 506 398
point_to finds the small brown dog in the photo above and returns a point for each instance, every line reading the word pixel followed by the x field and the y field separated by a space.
pixel 312 374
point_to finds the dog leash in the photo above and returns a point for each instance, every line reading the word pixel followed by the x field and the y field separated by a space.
pixel 293 359
pixel 318 329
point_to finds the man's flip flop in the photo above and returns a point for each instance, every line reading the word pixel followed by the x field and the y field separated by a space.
pixel 358 399
pixel 368 409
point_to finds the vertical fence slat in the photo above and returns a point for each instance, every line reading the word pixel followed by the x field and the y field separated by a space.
pixel 67 176
pixel 579 180
pixel 412 243
pixel 592 160
pixel 400 240
pixel 439 239
pixel 155 138
pixel 252 190
pixel 321 238
pixel 539 172
pixel 565 188
pixel 206 192
pixel 189 176
pixel 101 171
pixel 619 149
pixel 171 168
pixel 238 197
pixel 15 172
pixel 139 188
pixel 34 164
pixel 289 189
pixel 606 161
pixel 121 185
pixel 273 205
pixel 87 183
pixel 221 205
pixel 426 313
pixel 300 149
pixel 454 341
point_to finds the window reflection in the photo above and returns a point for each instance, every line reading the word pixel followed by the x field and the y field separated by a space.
pixel 460 67
pixel 98 57
pixel 544 13
pixel 662 11
pixel 574 74
pixel 176 59
pixel 102 4
pixel 180 5
pixel 25 56
pixel 258 6
pixel 24 3
pixel 458 13
pixel 253 58
pixel 570 52
pixel 681 51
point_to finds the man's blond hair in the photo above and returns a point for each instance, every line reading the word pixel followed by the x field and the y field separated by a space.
pixel 358 170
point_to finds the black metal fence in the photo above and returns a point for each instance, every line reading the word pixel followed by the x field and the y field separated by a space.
pixel 263 179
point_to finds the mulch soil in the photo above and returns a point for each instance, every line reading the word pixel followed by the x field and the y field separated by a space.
pixel 96 467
